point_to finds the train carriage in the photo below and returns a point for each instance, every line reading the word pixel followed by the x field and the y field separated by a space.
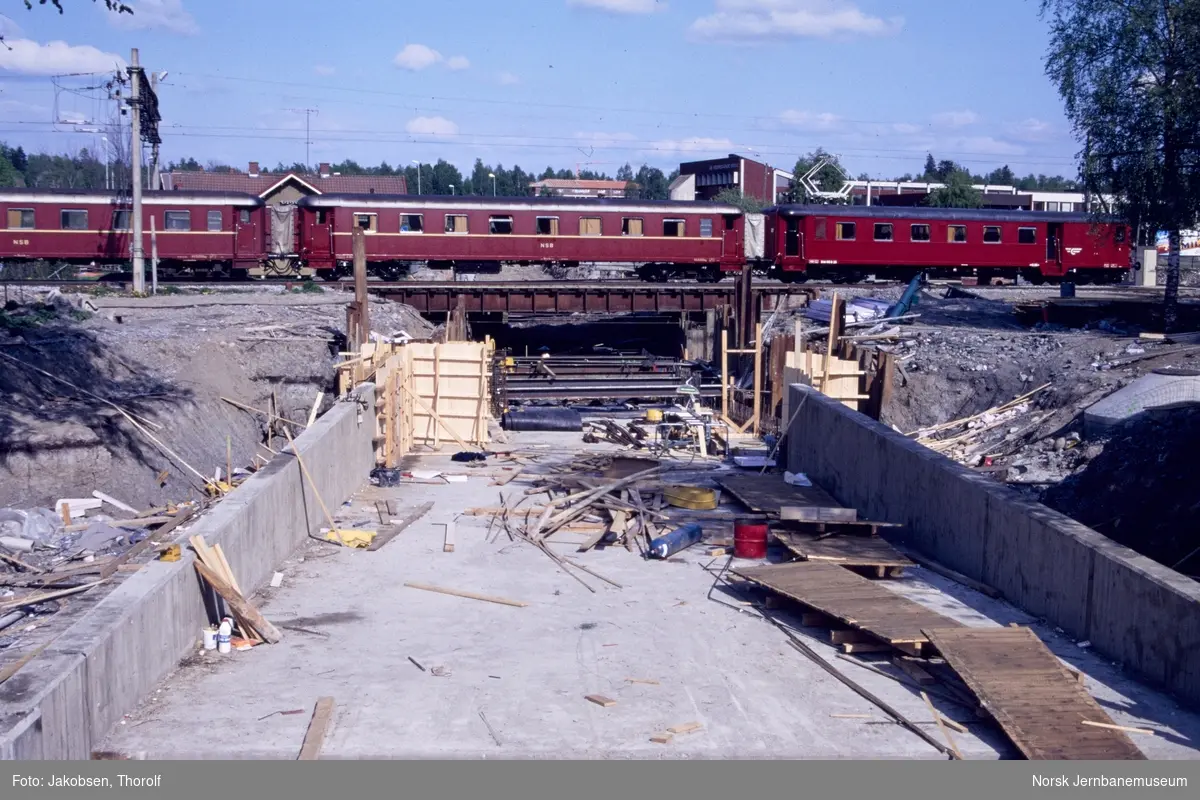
pixel 661 238
pixel 195 231
pixel 847 242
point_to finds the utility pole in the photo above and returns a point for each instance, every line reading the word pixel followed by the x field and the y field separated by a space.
pixel 307 112
pixel 139 257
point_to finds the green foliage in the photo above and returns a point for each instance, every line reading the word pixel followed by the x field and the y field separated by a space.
pixel 957 193
pixel 308 287
pixel 112 5
pixel 1127 72
pixel 734 197
pixel 829 179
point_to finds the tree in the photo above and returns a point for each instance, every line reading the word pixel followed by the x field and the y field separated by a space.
pixel 625 173
pixel 734 197
pixel 112 5
pixel 651 184
pixel 829 178
pixel 957 193
pixel 1127 72
pixel 1001 177
pixel 930 166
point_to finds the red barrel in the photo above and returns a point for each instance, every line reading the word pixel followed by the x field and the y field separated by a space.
pixel 749 539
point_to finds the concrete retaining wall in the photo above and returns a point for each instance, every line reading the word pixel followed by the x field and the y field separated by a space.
pixel 1133 610
pixel 65 701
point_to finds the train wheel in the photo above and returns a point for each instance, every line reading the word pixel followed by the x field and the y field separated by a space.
pixel 709 274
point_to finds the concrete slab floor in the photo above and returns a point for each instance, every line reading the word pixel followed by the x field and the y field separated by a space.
pixel 527 670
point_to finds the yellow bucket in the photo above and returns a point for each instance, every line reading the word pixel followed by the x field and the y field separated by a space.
pixel 654 415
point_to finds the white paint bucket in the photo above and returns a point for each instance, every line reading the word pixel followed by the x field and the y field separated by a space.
pixel 210 638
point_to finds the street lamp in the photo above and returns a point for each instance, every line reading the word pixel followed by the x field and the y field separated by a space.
pixel 107 182
pixel 492 175
pixel 418 163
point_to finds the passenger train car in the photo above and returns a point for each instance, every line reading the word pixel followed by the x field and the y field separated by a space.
pixel 194 231
pixel 660 238
pixel 849 242
pixel 217 234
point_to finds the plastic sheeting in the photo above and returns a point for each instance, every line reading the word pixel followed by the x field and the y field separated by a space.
pixel 756 237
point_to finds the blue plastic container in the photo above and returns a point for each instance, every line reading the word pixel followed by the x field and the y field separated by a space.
pixel 671 543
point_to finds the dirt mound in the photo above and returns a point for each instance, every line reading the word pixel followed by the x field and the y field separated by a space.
pixel 1142 490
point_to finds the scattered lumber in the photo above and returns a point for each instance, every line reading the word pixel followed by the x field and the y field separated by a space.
pixel 391 531
pixel 1111 727
pixel 469 595
pixel 600 700
pixel 252 623
pixel 314 737
pixel 34 599
pixel 687 727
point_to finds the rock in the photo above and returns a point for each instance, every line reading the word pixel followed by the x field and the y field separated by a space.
pixel 1060 444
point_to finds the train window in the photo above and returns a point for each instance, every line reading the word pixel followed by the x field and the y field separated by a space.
pixel 673 227
pixel 883 231
pixel 368 222
pixel 177 220
pixel 846 231
pixel 631 226
pixel 412 223
pixel 215 221
pixel 991 234
pixel 819 228
pixel 706 227
pixel 547 226
pixel 589 226
pixel 121 219
pixel 244 217
pixel 73 220
pixel 502 225
pixel 1027 235
pixel 920 233
pixel 956 234
pixel 456 223
pixel 20 218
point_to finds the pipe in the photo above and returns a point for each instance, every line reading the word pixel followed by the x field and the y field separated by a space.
pixel 9 620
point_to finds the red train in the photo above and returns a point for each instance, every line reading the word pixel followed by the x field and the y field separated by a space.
pixel 236 234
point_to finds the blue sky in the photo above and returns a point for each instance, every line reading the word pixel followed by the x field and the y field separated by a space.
pixel 555 82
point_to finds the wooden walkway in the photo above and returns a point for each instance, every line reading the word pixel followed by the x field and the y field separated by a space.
pixel 770 494
pixel 852 599
pixel 846 550
pixel 1038 703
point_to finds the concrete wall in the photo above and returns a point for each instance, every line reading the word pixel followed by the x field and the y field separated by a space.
pixel 1133 610
pixel 64 702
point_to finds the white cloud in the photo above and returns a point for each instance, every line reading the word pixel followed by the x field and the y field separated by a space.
pixel 983 145
pixel 324 70
pixel 431 126
pixel 809 121
pixel 1031 130
pixel 417 57
pixel 620 6
pixel 28 57
pixel 163 15
pixel 904 128
pixel 507 79
pixel 956 119
pixel 758 20
pixel 693 144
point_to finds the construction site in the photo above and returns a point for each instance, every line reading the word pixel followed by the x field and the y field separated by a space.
pixel 364 520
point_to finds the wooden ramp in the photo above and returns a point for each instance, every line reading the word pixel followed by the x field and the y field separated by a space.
pixel 1033 697
pixel 770 494
pixel 845 550
pixel 854 600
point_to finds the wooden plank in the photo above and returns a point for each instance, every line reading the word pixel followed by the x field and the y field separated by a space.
pixel 854 600
pixel 600 700
pixel 158 537
pixel 469 595
pixel 1036 701
pixel 389 532
pixel 241 608
pixel 314 737
pixel 844 550
pixel 770 494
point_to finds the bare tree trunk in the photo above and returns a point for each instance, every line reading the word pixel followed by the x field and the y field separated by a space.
pixel 1171 294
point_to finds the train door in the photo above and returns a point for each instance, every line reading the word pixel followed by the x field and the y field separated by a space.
pixel 731 244
pixel 791 237
pixel 1053 264
pixel 320 240
pixel 245 236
